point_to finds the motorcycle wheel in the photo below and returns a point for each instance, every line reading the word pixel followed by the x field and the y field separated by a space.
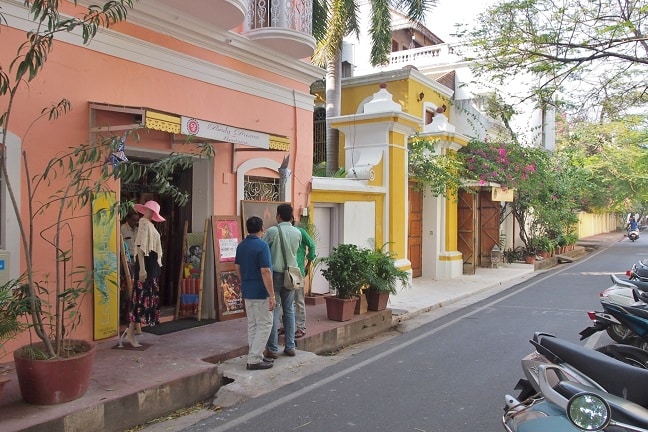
pixel 627 354
pixel 617 332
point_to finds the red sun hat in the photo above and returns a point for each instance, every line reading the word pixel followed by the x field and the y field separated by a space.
pixel 154 207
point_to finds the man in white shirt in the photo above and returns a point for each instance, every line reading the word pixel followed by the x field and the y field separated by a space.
pixel 129 231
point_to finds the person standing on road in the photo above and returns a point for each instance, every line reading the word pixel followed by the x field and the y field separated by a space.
pixel 305 256
pixel 285 297
pixel 254 269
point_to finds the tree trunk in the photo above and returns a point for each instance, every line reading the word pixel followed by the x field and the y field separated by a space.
pixel 333 97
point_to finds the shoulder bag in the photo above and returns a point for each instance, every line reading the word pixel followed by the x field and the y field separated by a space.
pixel 292 275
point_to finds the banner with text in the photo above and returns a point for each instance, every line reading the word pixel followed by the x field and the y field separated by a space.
pixel 224 133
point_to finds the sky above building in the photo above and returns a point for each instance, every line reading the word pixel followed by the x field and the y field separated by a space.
pixel 443 17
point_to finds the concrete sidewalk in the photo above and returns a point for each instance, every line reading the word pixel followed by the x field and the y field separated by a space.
pixel 130 387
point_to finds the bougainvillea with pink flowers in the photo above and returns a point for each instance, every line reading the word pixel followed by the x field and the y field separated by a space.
pixel 505 163
pixel 544 204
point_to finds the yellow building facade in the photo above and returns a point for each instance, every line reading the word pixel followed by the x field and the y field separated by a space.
pixel 379 114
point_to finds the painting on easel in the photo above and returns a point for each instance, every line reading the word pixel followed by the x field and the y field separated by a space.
pixel 227 236
pixel 190 280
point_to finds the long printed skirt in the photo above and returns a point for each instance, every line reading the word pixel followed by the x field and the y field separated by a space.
pixel 146 302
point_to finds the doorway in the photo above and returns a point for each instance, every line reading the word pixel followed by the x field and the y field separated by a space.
pixel 171 230
pixel 326 219
pixel 415 231
pixel 467 230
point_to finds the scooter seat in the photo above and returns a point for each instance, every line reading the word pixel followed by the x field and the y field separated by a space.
pixel 641 285
pixel 618 378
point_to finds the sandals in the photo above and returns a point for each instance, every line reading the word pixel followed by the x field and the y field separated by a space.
pixel 298 333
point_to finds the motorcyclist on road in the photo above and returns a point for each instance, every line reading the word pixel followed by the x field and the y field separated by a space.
pixel 632 224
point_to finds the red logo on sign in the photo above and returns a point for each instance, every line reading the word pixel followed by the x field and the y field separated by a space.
pixel 193 126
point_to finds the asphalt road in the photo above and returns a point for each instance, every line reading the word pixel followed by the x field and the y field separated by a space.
pixel 449 375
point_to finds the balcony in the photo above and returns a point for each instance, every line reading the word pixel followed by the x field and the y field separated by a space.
pixel 423 57
pixel 282 25
pixel 225 14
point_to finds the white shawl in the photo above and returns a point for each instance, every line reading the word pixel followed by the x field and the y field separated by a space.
pixel 148 239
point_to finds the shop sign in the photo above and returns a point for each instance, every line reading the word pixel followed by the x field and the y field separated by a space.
pixel 499 194
pixel 224 133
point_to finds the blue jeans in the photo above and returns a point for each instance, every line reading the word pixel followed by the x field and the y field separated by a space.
pixel 285 301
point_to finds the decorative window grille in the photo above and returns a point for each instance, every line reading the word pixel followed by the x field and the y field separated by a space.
pixel 319 135
pixel 260 188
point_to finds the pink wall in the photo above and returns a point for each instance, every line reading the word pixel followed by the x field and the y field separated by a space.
pixel 83 76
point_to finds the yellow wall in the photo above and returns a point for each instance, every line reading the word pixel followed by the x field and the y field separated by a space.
pixel 451 225
pixel 404 92
pixel 591 224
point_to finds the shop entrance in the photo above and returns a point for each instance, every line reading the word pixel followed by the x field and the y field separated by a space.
pixel 171 231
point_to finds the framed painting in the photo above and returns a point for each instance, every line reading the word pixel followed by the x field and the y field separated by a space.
pixel 230 297
pixel 227 235
pixel 266 210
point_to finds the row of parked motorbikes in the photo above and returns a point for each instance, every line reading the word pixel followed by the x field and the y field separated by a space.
pixel 568 387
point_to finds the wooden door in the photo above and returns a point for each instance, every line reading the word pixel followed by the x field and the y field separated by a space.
pixel 415 231
pixel 467 222
pixel 489 216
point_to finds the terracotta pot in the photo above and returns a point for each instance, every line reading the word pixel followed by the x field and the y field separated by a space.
pixel 49 382
pixel 361 305
pixel 338 309
pixel 530 259
pixel 377 301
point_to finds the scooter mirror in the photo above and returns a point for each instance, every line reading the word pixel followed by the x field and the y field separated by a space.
pixel 588 412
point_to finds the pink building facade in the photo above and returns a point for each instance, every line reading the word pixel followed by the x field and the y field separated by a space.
pixel 166 66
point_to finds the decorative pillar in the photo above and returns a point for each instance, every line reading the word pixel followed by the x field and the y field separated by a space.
pixel 375 146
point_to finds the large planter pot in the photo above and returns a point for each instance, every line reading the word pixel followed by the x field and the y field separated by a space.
pixel 49 382
pixel 338 309
pixel 377 301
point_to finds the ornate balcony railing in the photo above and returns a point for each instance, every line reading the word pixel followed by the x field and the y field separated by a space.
pixel 294 15
pixel 283 25
pixel 428 55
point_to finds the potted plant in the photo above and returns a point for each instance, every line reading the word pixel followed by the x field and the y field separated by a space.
pixel 47 298
pixel 544 246
pixel 383 278
pixel 11 311
pixel 346 273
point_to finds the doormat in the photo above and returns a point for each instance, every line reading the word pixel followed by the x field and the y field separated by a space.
pixel 128 347
pixel 177 325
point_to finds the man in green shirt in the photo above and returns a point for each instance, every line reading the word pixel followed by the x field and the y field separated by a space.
pixel 305 256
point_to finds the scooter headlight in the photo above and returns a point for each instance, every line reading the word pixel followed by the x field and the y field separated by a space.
pixel 589 412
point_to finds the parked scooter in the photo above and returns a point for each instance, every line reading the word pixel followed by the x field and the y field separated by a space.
pixel 624 316
pixel 639 271
pixel 620 292
pixel 564 380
